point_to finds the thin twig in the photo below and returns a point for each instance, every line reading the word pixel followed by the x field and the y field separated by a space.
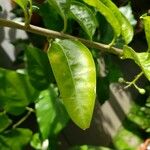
pixel 55 34
pixel 22 120
pixel 134 81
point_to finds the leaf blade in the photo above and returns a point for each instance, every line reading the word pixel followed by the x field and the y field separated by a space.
pixel 141 59
pixel 73 68
pixel 38 68
pixel 107 13
pixel 51 114
pixel 146 21
pixel 126 28
pixel 84 16
pixel 8 139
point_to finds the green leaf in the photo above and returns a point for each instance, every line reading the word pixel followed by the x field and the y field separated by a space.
pixel 107 13
pixel 15 139
pixel 50 17
pixel 38 68
pixel 146 21
pixel 36 142
pixel 16 91
pixel 51 114
pixel 74 71
pixel 141 59
pixel 4 121
pixel 62 7
pixel 126 28
pixel 87 147
pixel 22 3
pixel 84 16
pixel 127 11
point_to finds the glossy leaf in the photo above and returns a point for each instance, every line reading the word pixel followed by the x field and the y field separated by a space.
pixel 62 7
pixel 126 28
pixel 4 121
pixel 16 91
pixel 15 139
pixel 127 11
pixel 46 12
pixel 51 114
pixel 84 16
pixel 141 59
pixel 75 74
pixel 146 21
pixel 107 13
pixel 38 68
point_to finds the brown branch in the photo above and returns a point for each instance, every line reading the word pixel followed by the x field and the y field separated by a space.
pixel 55 34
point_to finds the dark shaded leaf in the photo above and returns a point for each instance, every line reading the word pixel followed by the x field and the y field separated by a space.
pixel 126 28
pixel 38 68
pixel 15 139
pixel 146 21
pixel 62 7
pixel 16 92
pixel 84 16
pixel 107 13
pixel 4 121
pixel 50 17
pixel 141 59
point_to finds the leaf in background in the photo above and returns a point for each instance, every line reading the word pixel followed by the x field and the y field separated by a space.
pixel 74 71
pixel 4 121
pixel 84 16
pixel 22 3
pixel 15 139
pixel 16 91
pixel 87 147
pixel 108 14
pixel 126 28
pixel 38 68
pixel 51 18
pixel 141 59
pixel 127 12
pixel 62 7
pixel 36 142
pixel 51 114
pixel 146 21
pixel 102 89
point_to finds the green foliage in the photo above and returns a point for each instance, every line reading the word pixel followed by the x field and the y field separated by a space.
pixel 107 13
pixel 84 16
pixel 62 7
pixel 73 68
pixel 26 6
pixel 51 114
pixel 38 68
pixel 86 147
pixel 141 59
pixel 5 121
pixel 127 12
pixel 15 139
pixel 126 28
pixel 16 92
pixel 146 21
pixel 64 82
